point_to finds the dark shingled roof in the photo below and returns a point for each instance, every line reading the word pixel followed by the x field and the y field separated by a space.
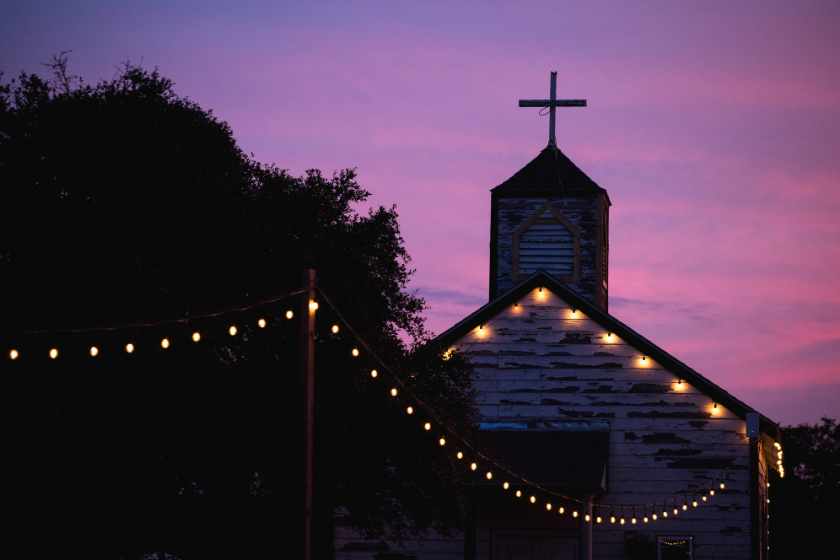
pixel 541 175
pixel 549 457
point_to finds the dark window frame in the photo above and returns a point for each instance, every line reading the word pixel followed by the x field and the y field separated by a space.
pixel 688 538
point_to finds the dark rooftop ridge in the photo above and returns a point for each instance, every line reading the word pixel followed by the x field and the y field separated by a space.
pixel 542 172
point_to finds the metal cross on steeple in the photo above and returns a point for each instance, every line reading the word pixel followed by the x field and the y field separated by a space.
pixel 552 103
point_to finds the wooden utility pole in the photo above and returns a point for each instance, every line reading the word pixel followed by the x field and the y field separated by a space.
pixel 307 399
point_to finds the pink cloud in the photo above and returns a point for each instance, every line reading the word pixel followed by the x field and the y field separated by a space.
pixel 714 127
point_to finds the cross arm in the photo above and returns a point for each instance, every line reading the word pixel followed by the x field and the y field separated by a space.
pixel 549 103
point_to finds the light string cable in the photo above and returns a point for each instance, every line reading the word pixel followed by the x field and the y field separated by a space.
pixel 213 313
pixel 478 453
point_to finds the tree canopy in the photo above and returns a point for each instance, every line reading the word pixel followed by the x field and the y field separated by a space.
pixel 124 202
pixel 804 503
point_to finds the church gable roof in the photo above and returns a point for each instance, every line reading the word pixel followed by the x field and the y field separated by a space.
pixel 541 174
pixel 539 279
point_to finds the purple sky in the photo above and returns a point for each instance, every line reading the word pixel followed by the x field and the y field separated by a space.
pixel 715 127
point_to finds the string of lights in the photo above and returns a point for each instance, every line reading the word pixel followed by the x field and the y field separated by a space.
pixel 703 492
pixel 139 324
pixel 707 489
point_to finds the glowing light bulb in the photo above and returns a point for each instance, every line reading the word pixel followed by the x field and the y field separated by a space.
pixel 53 353
pixel 289 314
pixel 442 441
pixel 694 503
pixel 13 354
pixel 721 485
pixel 335 328
pixel 518 493
pixel 164 343
pixel 232 331
pixel 94 350
pixel 712 492
pixel 574 513
pixel 409 410
pixel 533 499
pixel 460 455
pixel 644 358
pixel 548 507
pixel 355 352
pixel 561 510
pixel 685 507
pixel 598 519
pixel 676 511
pixel 654 516
pixel 664 513
pixel 481 329
pixel 196 337
pixel 612 519
pixel 679 384
pixel 633 521
pixel 622 521
pixel 129 348
pixel 473 466
pixel 261 323
pixel 489 475
pixel 516 305
pixel 587 517
pixel 393 392
pixel 704 498
pixel 505 485
pixel 428 426
pixel 645 519
pixel 373 373
pixel 313 305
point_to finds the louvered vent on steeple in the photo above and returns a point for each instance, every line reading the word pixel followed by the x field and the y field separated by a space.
pixel 547 245
pixel 547 241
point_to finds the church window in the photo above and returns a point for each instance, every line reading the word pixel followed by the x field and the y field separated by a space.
pixel 547 241
pixel 675 548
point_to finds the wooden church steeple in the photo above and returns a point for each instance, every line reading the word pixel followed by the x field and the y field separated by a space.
pixel 550 216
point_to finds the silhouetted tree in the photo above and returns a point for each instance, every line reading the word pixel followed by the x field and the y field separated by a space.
pixel 124 202
pixel 804 503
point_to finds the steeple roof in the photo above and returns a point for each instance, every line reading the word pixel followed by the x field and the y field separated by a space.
pixel 541 175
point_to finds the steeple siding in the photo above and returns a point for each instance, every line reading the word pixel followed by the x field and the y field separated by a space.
pixel 512 213
pixel 552 177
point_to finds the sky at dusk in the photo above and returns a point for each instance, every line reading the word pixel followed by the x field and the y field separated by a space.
pixel 714 126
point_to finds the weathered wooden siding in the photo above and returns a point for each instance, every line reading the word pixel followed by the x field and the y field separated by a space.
pixel 582 212
pixel 544 361
pixel 547 362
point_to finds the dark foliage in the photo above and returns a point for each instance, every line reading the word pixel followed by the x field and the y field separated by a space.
pixel 803 510
pixel 125 202
pixel 639 546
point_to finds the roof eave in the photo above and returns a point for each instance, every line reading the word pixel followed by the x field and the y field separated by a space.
pixel 542 279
